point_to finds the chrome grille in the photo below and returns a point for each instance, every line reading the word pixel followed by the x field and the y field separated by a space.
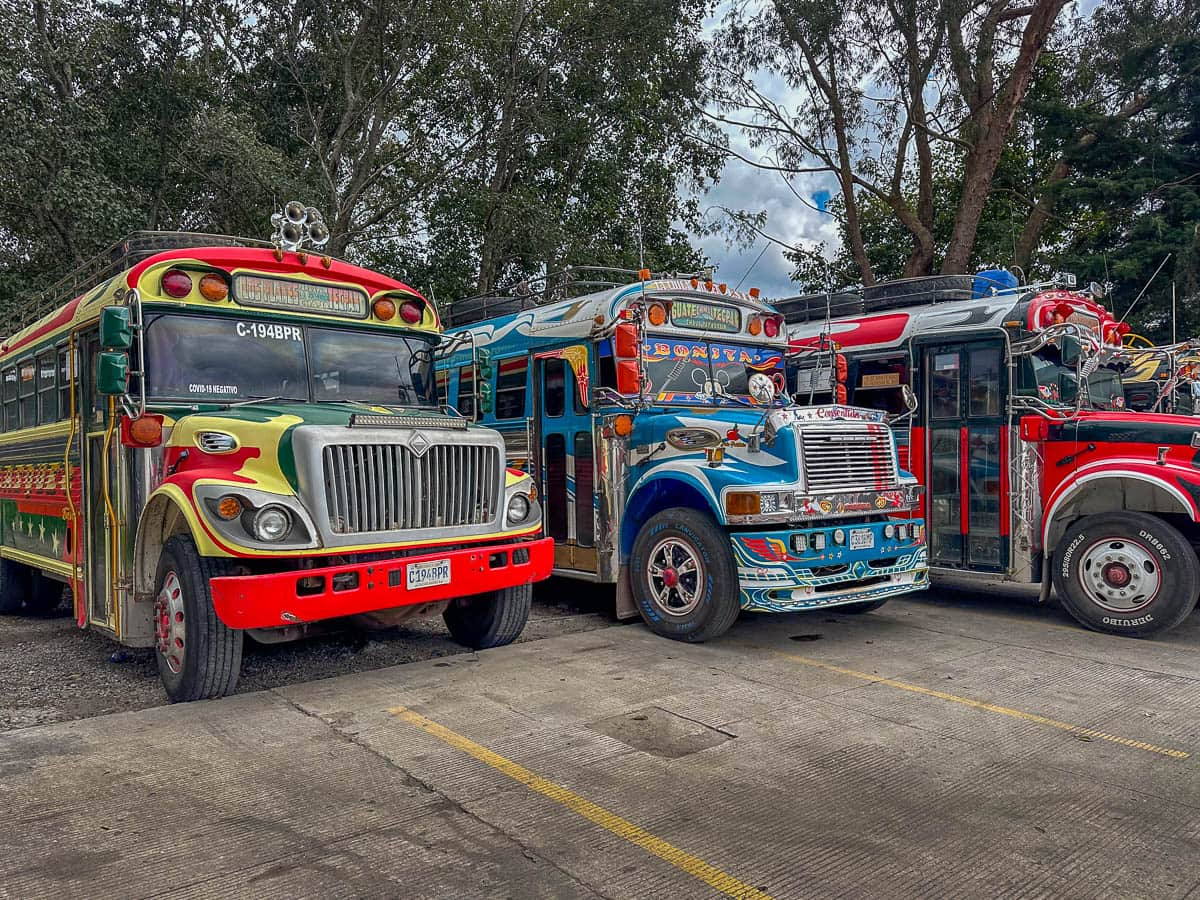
pixel 388 487
pixel 847 457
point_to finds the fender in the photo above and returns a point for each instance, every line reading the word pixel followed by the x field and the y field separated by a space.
pixel 1134 469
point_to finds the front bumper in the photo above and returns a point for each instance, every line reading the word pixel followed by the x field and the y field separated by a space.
pixel 309 595
pixel 775 577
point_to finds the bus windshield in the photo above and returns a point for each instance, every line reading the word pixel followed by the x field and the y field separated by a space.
pixel 225 359
pixel 1058 384
pixel 705 371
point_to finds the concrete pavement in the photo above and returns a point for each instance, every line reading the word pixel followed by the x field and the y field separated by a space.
pixel 922 750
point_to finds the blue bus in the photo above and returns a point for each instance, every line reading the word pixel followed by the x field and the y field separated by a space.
pixel 670 463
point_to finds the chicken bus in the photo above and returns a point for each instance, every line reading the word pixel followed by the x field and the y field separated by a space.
pixel 205 438
pixel 652 417
pixel 1034 469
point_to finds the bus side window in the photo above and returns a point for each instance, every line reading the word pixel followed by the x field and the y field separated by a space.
pixel 880 384
pixel 510 388
pixel 26 383
pixel 443 386
pixel 64 382
pixel 556 387
pixel 466 391
pixel 47 388
pixel 10 400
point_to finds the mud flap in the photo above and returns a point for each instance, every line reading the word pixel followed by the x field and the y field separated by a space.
pixel 625 605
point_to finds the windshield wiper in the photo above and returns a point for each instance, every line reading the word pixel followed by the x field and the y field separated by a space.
pixel 264 400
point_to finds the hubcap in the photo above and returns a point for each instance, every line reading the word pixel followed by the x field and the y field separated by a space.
pixel 170 624
pixel 675 576
pixel 1119 575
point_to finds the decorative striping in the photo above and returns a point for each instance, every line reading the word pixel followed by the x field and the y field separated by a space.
pixel 388 487
pixel 846 457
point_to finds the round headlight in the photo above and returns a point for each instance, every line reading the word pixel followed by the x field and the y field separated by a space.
pixel 839 536
pixel 272 523
pixel 889 531
pixel 518 508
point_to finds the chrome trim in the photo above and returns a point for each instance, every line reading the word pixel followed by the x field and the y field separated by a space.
pixel 611 486
pixel 847 456
pixel 382 491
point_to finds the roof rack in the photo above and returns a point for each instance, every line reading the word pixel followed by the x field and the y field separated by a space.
pixel 116 259
pixel 899 294
pixel 571 282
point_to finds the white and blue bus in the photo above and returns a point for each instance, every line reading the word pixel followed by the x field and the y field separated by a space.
pixel 670 462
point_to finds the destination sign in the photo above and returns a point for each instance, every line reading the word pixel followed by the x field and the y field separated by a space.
pixel 299 296
pixel 705 316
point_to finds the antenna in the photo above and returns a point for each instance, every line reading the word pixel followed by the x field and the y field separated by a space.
pixel 1146 288
pixel 641 248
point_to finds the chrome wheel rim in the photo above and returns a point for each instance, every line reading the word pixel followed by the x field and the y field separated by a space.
pixel 675 576
pixel 171 623
pixel 1119 575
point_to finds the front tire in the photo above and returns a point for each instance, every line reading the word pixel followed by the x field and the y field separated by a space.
pixel 489 620
pixel 1126 573
pixel 199 657
pixel 683 576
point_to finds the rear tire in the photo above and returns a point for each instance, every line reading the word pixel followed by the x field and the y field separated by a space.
pixel 683 576
pixel 1126 573
pixel 14 586
pixel 489 620
pixel 856 609
pixel 45 594
pixel 199 657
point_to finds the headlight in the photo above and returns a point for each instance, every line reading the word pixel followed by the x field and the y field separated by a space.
pixel 889 531
pixel 839 536
pixel 271 524
pixel 518 509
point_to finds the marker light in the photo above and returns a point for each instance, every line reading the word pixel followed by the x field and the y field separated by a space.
pixel 743 503
pixel 771 326
pixel 623 426
pixel 643 274
pixel 213 287
pixel 656 314
pixel 755 326
pixel 176 283
pixel 754 292
pixel 384 309
pixel 229 507
pixel 144 431
pixel 411 311
pixel 695 283
pixel 722 287
pixel 708 285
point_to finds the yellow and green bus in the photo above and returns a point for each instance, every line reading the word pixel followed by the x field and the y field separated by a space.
pixel 208 437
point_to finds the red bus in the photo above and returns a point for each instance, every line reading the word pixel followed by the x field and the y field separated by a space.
pixel 1034 470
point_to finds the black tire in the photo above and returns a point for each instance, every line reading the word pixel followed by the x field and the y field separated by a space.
pixel 1099 554
pixel 489 620
pixel 212 657
pixel 14 586
pixel 45 594
pixel 705 606
pixel 856 609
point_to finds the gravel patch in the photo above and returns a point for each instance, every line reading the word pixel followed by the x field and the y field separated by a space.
pixel 50 671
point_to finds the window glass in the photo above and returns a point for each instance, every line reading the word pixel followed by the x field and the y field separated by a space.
pixel 879 384
pixel 555 390
pixel 943 386
pixel 388 369
pixel 47 387
pixel 443 386
pixel 10 399
pixel 26 382
pixel 510 388
pixel 985 381
pixel 466 391
pixel 64 381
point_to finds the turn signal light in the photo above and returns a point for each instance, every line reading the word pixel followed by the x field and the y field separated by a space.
pixel 229 507
pixel 384 309
pixel 623 426
pixel 742 503
pixel 755 326
pixel 656 314
pixel 771 326
pixel 213 287
pixel 146 431
pixel 176 283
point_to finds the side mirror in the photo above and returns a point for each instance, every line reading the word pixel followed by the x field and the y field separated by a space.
pixel 625 341
pixel 629 378
pixel 116 332
pixel 910 399
pixel 486 397
pixel 1070 350
pixel 112 373
pixel 483 362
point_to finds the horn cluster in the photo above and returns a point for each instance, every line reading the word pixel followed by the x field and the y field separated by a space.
pixel 299 227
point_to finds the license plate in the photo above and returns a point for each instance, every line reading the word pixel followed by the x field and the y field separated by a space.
pixel 428 574
pixel 861 539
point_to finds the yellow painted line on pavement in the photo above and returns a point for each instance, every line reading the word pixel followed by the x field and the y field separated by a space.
pixel 1079 730
pixel 623 828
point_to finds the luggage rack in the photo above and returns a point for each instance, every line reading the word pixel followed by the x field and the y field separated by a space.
pixel 120 256
pixel 570 282
pixel 901 294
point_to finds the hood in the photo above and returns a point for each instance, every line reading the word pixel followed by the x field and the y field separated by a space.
pixel 1130 428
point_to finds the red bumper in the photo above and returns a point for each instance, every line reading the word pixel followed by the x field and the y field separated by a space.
pixel 308 595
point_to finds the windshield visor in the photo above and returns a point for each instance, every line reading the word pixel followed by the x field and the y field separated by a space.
pixel 224 360
pixel 706 371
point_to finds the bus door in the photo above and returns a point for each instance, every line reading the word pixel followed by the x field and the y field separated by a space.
pixel 966 455
pixel 563 444
pixel 102 477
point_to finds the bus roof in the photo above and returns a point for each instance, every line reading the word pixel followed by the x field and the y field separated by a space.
pixel 139 260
